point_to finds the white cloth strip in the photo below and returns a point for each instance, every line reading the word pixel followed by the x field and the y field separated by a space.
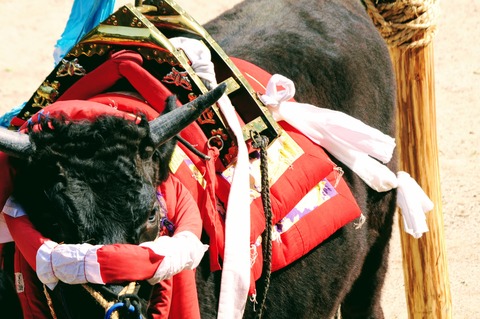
pixel 182 251
pixel 320 124
pixel 334 130
pixel 414 203
pixel 235 282
pixel 69 263
pixel 352 142
pixel 44 264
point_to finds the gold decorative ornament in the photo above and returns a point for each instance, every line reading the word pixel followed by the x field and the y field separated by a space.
pixel 70 68
pixel 46 94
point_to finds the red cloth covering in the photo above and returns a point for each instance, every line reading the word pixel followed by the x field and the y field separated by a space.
pixel 122 64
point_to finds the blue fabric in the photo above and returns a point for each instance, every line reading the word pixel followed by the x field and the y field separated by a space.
pixel 6 118
pixel 85 15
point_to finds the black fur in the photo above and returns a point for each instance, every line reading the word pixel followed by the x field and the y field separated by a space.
pixel 89 182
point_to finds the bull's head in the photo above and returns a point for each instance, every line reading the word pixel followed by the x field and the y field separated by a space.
pixel 96 182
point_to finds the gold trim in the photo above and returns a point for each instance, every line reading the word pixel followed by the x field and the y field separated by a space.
pixel 129 29
pixel 232 85
pixel 171 16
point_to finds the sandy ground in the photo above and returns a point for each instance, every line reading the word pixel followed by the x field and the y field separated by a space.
pixel 29 30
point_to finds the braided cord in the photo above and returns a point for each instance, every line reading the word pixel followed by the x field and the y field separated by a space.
pixel 261 142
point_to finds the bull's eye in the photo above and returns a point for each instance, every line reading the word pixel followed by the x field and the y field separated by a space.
pixel 154 213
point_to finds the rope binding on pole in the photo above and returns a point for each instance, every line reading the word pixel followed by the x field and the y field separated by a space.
pixel 405 24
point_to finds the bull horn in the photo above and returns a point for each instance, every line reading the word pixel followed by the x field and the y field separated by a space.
pixel 14 143
pixel 170 124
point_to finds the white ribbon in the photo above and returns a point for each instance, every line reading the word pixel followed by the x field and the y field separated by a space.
pixel 414 203
pixel 43 264
pixel 354 144
pixel 78 263
pixel 351 141
pixel 235 281
pixel 70 263
pixel 199 56
pixel 182 251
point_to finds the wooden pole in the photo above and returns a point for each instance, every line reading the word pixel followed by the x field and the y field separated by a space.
pixel 427 285
pixel 407 27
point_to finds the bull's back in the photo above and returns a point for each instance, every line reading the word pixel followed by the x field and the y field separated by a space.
pixel 330 49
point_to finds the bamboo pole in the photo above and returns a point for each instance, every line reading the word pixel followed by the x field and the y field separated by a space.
pixel 427 286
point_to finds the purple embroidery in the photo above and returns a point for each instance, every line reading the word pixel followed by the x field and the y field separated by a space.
pixel 165 223
pixel 306 205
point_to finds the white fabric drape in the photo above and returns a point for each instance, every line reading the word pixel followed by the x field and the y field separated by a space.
pixel 355 144
pixel 235 281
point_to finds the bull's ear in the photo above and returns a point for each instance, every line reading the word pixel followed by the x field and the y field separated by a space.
pixel 15 144
pixel 167 126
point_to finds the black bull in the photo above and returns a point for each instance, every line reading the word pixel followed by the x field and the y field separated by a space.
pixel 337 60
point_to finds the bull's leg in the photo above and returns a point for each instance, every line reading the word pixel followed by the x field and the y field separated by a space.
pixel 363 300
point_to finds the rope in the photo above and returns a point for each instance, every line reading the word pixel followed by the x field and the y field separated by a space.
pixel 100 299
pixel 261 142
pixel 49 302
pixel 404 23
pixel 127 290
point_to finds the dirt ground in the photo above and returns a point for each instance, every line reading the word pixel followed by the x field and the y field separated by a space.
pixel 29 29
